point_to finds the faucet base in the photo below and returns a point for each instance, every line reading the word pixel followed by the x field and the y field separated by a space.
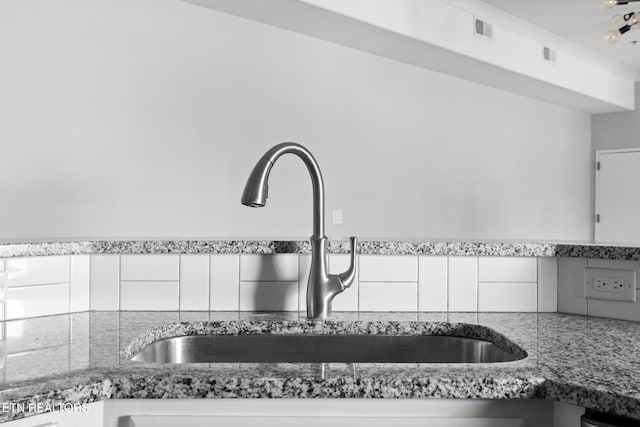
pixel 321 287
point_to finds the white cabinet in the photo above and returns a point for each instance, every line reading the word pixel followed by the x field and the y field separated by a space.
pixel 284 421
pixel 313 413
pixel 324 412
pixel 617 200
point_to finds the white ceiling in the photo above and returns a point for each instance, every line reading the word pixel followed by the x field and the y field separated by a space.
pixel 581 21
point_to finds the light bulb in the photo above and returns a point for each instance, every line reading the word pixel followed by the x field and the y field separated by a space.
pixel 612 36
pixel 618 20
pixel 608 4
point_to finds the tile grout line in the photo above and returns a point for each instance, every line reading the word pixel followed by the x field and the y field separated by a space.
pixel 209 285
pixel 448 287
pixel 69 309
pixel 179 281
pixel 119 257
pixel 239 280
pixel 418 284
pixel 477 286
pixel 298 284
pixel 89 302
pixel 358 298
pixel 359 283
pixel 40 285
pixel 70 335
pixel 537 285
pixel 446 281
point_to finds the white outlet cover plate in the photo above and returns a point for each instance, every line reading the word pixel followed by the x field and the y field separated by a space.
pixel 628 276
pixel 337 216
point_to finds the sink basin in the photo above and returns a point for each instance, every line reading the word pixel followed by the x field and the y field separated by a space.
pixel 322 349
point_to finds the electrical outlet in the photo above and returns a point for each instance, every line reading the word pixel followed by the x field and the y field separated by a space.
pixel 604 284
pixel 610 284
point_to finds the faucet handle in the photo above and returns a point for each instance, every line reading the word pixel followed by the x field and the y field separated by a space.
pixel 347 278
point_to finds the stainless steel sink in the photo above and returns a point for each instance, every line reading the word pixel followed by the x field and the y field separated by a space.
pixel 322 349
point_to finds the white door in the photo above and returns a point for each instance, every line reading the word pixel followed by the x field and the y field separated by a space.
pixel 618 197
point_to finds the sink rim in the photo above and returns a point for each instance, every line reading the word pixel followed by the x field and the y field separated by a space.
pixel 324 327
pixel 336 349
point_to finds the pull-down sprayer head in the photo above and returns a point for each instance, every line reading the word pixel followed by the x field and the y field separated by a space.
pixel 256 189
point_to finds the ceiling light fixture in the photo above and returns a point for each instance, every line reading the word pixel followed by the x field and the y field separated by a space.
pixel 608 4
pixel 624 22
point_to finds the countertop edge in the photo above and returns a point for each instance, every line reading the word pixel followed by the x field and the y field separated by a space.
pixel 367 247
pixel 126 384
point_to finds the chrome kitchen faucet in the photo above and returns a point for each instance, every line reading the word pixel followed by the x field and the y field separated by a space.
pixel 322 286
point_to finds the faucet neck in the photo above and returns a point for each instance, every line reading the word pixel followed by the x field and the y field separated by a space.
pixel 316 179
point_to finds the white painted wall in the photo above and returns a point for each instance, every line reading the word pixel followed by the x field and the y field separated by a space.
pixel 617 130
pixel 143 118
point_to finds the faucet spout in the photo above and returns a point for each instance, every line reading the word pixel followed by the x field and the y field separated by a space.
pixel 256 188
pixel 322 286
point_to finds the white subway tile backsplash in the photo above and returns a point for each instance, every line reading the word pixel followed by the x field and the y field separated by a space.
pixel 224 282
pixel 37 270
pixel 571 285
pixel 105 282
pixel 618 265
pixel 348 299
pixel 80 282
pixel 507 269
pixel 304 267
pixel 463 283
pixel 279 282
pixel 547 284
pixel 269 268
pixel 624 310
pixel 388 296
pixel 37 300
pixel 269 296
pixel 502 296
pixel 194 282
pixel 433 283
pixel 150 267
pixel 388 268
pixel 148 295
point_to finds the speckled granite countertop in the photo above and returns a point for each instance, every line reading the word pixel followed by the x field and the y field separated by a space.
pixel 387 247
pixel 381 247
pixel 81 358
